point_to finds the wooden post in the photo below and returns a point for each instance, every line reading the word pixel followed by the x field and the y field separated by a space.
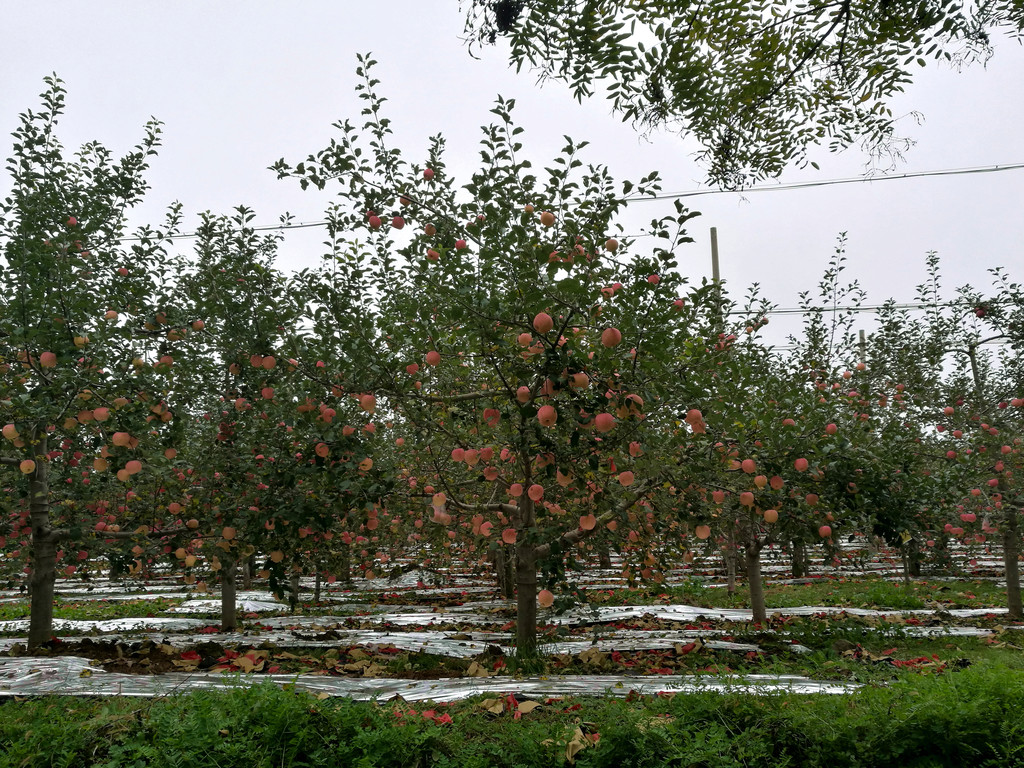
pixel 716 275
pixel 716 279
pixel 862 343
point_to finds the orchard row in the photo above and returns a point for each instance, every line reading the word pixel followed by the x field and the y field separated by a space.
pixel 488 373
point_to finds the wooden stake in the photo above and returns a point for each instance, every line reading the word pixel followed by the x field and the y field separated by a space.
pixel 716 275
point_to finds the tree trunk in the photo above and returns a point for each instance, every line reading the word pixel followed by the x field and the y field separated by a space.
pixel 526 585
pixel 911 560
pixel 228 616
pixel 526 601
pixel 293 587
pixel 345 566
pixel 756 584
pixel 504 568
pixel 729 556
pixel 114 572
pixel 498 561
pixel 1011 549
pixel 247 568
pixel 44 550
pixel 604 555
pixel 915 559
pixel 799 559
pixel 316 587
pixel 509 560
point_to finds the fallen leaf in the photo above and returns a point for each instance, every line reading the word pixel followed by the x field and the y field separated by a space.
pixel 577 743
pixel 593 656
pixel 494 706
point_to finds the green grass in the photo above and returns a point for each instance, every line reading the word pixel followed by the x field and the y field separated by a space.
pixel 862 593
pixel 94 610
pixel 968 717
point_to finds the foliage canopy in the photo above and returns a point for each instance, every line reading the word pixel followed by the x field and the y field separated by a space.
pixel 757 82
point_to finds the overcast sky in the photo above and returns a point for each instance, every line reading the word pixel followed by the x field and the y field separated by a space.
pixel 241 84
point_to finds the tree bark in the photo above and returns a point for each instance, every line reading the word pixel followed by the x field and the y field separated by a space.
pixel 114 572
pixel 915 560
pixel 505 563
pixel 345 566
pixel 1011 563
pixel 911 561
pixel 503 575
pixel 228 615
pixel 729 556
pixel 247 568
pixel 799 559
pixel 526 600
pixel 526 585
pixel 44 549
pixel 604 555
pixel 756 584
pixel 293 587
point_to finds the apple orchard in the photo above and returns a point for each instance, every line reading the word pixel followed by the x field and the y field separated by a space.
pixel 481 373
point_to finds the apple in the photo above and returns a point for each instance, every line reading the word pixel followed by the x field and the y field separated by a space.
pixel 543 322
pixel 547 415
pixel 611 337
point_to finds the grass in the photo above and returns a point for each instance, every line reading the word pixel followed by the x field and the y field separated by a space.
pixel 861 593
pixel 94 610
pixel 927 701
pixel 966 717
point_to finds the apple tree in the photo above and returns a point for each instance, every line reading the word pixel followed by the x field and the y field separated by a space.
pixel 519 338
pixel 79 371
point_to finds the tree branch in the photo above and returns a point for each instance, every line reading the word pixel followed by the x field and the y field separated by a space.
pixel 570 538
pixel 479 395
pixel 508 509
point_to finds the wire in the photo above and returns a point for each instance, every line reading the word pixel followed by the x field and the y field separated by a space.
pixel 909 306
pixel 694 193
pixel 834 182
pixel 791 347
pixel 863 308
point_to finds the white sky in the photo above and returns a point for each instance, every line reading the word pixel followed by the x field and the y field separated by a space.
pixel 241 84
